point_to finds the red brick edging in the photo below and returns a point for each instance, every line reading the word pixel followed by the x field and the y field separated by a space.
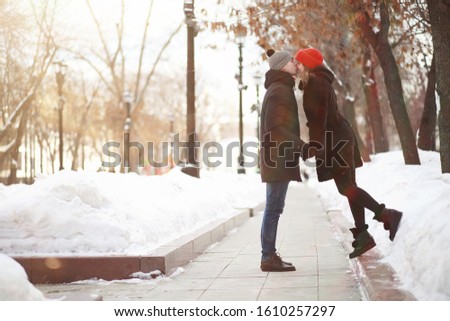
pixel 64 269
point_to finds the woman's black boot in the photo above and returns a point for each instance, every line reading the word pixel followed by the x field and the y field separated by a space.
pixel 390 218
pixel 363 241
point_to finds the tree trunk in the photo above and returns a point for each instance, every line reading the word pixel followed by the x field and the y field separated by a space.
pixel 398 106
pixel 427 131
pixel 380 141
pixel 369 137
pixel 76 148
pixel 74 166
pixel 440 27
pixel 349 113
pixel 41 155
pixel 12 179
pixel 83 155
pixel 380 43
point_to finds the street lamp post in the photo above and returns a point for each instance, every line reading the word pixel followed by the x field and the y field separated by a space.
pixel 192 168
pixel 126 129
pixel 172 133
pixel 60 73
pixel 257 108
pixel 240 38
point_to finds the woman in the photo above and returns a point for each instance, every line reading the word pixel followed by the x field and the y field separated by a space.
pixel 335 148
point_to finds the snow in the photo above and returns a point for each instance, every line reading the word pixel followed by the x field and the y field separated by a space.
pixel 20 289
pixel 102 213
pixel 88 213
pixel 420 253
pixel 350 98
pixel 154 277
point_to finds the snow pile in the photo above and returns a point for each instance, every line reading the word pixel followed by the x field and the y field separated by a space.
pixel 20 289
pixel 420 253
pixel 154 277
pixel 102 213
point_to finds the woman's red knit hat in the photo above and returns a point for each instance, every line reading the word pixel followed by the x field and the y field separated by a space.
pixel 309 57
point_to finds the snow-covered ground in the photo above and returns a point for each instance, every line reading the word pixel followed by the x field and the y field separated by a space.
pixel 101 213
pixel 14 284
pixel 92 213
pixel 420 253
pixel 88 213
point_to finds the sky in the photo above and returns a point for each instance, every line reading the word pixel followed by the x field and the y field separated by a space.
pixel 216 56
pixel 83 209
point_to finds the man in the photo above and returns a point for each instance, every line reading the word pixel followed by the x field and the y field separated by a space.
pixel 280 150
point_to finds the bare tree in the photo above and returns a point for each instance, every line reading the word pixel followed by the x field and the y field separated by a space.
pixel 115 73
pixel 375 120
pixel 427 132
pixel 439 11
pixel 81 124
pixel 115 59
pixel 380 43
pixel 21 80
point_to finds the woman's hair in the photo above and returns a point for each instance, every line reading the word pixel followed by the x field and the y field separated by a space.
pixel 304 76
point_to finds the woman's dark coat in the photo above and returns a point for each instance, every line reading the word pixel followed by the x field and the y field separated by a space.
pixel 280 130
pixel 321 110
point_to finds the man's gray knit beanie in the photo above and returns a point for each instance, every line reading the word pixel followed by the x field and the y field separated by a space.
pixel 279 59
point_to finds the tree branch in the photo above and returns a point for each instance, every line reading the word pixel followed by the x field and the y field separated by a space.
pixel 100 74
pixel 141 54
pixel 385 23
pixel 149 76
pixel 25 102
pixel 99 30
pixel 363 22
pixel 110 62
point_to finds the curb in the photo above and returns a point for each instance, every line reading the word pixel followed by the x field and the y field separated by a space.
pixel 378 280
pixel 179 252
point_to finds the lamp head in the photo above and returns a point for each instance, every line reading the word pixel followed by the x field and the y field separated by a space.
pixel 239 34
pixel 188 8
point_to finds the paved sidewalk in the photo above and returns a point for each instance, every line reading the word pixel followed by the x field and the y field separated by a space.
pixel 229 270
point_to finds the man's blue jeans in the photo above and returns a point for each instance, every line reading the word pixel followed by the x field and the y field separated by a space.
pixel 275 197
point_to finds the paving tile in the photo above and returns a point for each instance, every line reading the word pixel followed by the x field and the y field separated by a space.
pixel 338 280
pixel 186 284
pixel 275 281
pixel 330 249
pixel 204 269
pixel 243 271
pixel 247 259
pixel 340 264
pixel 328 271
pixel 238 283
pixel 215 256
pixel 224 249
pixel 73 296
